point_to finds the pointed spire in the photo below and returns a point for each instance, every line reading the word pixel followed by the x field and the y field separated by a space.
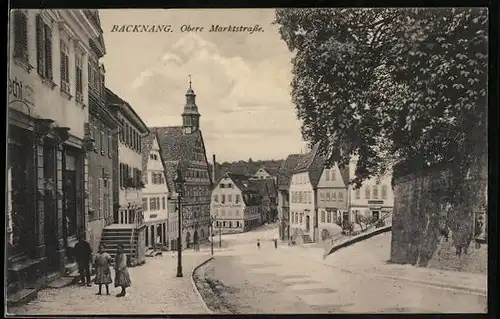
pixel 190 81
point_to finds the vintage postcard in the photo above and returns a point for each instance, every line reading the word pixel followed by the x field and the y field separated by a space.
pixel 247 161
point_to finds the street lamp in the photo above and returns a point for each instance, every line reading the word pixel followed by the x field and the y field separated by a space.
pixel 212 219
pixel 179 189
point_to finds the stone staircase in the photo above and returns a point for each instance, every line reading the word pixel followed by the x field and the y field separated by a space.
pixel 112 236
pixel 306 239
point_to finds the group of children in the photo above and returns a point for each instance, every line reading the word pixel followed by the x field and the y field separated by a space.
pixel 102 262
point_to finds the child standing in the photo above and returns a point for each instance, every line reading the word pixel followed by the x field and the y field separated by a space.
pixel 258 243
pixel 122 277
pixel 103 273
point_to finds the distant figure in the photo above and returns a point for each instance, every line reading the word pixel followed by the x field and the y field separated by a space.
pixel 158 242
pixel 103 273
pixel 83 256
pixel 275 243
pixel 122 277
pixel 258 243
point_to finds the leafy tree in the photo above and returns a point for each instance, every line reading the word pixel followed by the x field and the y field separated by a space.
pixel 398 88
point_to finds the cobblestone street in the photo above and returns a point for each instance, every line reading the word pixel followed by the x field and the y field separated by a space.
pixel 287 281
pixel 154 290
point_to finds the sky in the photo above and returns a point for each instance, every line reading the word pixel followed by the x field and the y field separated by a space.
pixel 242 80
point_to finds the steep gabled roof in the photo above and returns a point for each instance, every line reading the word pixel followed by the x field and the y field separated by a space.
pixel 147 144
pixel 241 181
pixel 344 172
pixel 176 149
pixel 312 163
pixel 126 109
pixel 174 144
pixel 286 170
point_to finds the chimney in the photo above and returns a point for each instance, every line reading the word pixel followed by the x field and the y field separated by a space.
pixel 213 168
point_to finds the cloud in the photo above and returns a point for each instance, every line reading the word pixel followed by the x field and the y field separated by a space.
pixel 223 85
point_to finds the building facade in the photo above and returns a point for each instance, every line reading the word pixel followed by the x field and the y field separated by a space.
pixel 332 200
pixel 303 196
pixel 155 193
pixel 374 199
pixel 235 205
pixel 128 225
pixel 102 129
pixel 283 185
pixel 47 110
pixel 182 147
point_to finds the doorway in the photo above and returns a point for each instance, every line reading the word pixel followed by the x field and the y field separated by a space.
pixel 70 222
pixel 376 214
pixel 49 205
pixel 308 221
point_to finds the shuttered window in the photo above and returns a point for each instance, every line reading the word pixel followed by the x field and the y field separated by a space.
pixel 367 192
pixel 20 36
pixel 44 48
pixel 64 67
pixel 97 144
pixel 79 77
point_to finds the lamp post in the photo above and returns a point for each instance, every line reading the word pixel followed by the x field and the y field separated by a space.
pixel 179 186
pixel 220 236
pixel 212 219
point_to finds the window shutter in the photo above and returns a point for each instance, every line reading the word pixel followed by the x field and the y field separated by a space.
pixel 20 35
pixel 110 144
pixel 101 141
pixel 91 181
pixel 40 46
pixel 96 137
pixel 48 52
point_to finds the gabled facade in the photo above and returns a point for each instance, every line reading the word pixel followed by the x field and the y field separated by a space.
pixel 47 110
pixel 374 199
pixel 303 195
pixel 154 194
pixel 236 206
pixel 261 173
pixel 128 216
pixel 283 185
pixel 332 199
pixel 183 147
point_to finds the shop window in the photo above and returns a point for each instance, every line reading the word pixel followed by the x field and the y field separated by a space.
pixel 18 198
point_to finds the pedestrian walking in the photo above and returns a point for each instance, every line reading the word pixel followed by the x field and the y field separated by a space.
pixel 83 257
pixel 275 243
pixel 122 277
pixel 258 243
pixel 103 272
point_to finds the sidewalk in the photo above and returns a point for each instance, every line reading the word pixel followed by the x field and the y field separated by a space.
pixel 370 258
pixel 155 290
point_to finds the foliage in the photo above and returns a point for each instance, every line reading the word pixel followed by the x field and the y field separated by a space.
pixel 398 88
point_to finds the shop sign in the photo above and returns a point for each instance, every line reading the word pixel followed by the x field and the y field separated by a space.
pixel 376 202
pixel 20 92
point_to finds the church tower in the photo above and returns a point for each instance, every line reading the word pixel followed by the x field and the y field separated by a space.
pixel 190 116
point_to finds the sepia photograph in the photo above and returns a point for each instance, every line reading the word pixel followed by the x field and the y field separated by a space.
pixel 247 161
